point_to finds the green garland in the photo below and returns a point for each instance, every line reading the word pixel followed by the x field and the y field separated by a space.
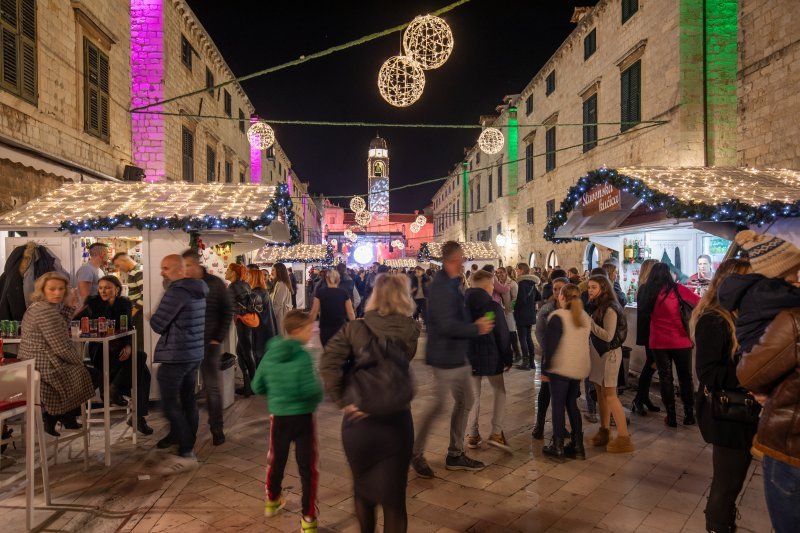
pixel 734 210
pixel 281 202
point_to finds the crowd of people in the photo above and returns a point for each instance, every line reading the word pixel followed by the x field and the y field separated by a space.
pixel 745 331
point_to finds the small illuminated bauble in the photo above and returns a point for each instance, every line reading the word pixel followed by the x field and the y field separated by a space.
pixel 400 245
pixel 415 227
pixel 491 141
pixel 260 135
pixel 333 242
pixel 347 233
pixel 363 254
pixel 357 204
pixel 429 41
pixel 363 218
pixel 500 239
pixel 353 237
pixel 401 81
pixel 421 220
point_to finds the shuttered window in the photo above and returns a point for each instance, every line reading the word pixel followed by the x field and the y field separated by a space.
pixel 529 215
pixel 500 181
pixel 478 194
pixel 550 83
pixel 228 172
pixel 550 206
pixel 18 41
pixel 589 44
pixel 211 164
pixel 629 8
pixel 590 123
pixel 631 92
pixel 228 103
pixel 186 52
pixel 241 121
pixel 187 153
pixel 550 149
pixel 489 183
pixel 241 177
pixel 96 110
pixel 528 162
pixel 529 105
pixel 209 81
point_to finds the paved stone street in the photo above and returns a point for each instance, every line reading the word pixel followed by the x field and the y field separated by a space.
pixel 660 487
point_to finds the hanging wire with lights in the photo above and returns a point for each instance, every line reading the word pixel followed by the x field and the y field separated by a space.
pixel 429 41
pixel 260 135
pixel 401 81
pixel 491 141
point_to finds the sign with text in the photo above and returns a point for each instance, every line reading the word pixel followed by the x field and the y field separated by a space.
pixel 600 199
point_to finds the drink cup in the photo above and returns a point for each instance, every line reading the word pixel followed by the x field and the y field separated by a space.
pixel 123 323
pixel 101 326
pixel 75 328
pixel 110 325
pixel 93 327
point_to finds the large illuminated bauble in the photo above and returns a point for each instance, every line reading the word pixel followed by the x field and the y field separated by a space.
pixel 429 41
pixel 421 220
pixel 363 254
pixel 491 141
pixel 363 218
pixel 357 204
pixel 260 135
pixel 415 227
pixel 401 81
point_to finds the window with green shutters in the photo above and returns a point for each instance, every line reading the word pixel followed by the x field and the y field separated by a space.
pixel 550 83
pixel 590 123
pixel 18 40
pixel 228 103
pixel 529 105
pixel 529 215
pixel 96 100
pixel 629 8
pixel 550 149
pixel 187 153
pixel 228 172
pixel 211 164
pixel 209 81
pixel 500 180
pixel 590 44
pixel 478 194
pixel 241 121
pixel 529 162
pixel 631 91
pixel 186 52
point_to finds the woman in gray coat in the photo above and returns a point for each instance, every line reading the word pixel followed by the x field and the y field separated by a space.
pixel 64 382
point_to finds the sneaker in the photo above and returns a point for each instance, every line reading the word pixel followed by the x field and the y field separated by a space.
pixel 498 440
pixel 474 441
pixel 308 526
pixel 462 462
pixel 271 507
pixel 420 466
pixel 620 445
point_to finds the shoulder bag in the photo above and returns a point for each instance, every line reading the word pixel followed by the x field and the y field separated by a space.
pixel 734 405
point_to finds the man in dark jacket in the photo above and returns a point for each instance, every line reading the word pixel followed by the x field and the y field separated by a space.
pixel 219 315
pixel 525 312
pixel 180 322
pixel 449 329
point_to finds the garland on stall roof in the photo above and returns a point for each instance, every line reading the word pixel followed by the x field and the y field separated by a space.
pixel 327 260
pixel 731 211
pixel 281 202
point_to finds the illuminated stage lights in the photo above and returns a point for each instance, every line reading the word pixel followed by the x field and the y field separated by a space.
pixel 429 41
pixel 363 254
pixel 401 81
pixel 491 141
pixel 260 135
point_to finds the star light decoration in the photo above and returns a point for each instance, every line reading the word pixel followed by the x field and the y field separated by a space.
pixel 429 41
pixel 421 220
pixel 401 81
pixel 363 218
pixel 491 141
pixel 357 204
pixel 260 135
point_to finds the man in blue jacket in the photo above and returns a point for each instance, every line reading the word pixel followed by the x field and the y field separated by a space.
pixel 449 328
pixel 180 322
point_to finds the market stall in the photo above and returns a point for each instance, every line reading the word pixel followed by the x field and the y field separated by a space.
pixel 479 252
pixel 150 221
pixel 685 216
pixel 300 258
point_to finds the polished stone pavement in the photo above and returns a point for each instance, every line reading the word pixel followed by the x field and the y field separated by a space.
pixel 662 486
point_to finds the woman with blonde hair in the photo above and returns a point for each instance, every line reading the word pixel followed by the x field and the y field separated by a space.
pixel 281 293
pixel 642 402
pixel 247 306
pixel 567 363
pixel 714 333
pixel 378 446
pixel 65 383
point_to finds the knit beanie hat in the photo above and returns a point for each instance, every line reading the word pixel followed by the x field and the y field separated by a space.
pixel 769 255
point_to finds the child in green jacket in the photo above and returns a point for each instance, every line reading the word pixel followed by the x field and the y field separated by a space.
pixel 286 376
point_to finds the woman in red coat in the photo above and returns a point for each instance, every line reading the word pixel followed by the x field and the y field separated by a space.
pixel 669 340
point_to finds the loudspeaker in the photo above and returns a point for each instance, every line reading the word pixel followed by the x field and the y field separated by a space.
pixel 132 173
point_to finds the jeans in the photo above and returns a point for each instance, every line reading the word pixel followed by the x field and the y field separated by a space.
pixel 730 472
pixel 457 381
pixel 177 382
pixel 515 346
pixel 646 377
pixel 422 308
pixel 526 343
pixel 212 381
pixel 591 404
pixel 542 403
pixel 499 409
pixel 564 393
pixel 682 358
pixel 782 492
pixel 283 430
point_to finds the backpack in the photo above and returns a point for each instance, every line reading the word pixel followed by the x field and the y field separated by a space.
pixel 379 379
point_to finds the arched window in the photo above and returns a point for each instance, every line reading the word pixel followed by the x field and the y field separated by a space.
pixel 532 260
pixel 552 259
pixel 592 258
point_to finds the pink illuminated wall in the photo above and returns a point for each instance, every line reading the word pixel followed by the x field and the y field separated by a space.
pixel 255 160
pixel 147 73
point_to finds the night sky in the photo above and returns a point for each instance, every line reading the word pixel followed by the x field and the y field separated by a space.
pixel 499 46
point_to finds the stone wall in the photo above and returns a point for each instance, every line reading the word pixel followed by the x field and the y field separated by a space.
pixel 20 184
pixel 769 84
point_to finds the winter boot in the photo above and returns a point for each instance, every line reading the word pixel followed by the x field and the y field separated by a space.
pixel 555 449
pixel 600 438
pixel 575 449
pixel 671 419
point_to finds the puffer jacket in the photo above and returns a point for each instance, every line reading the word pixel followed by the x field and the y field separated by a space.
pixel 449 326
pixel 180 320
pixel 772 367
pixel 219 308
pixel 758 300
pixel 490 353
pixel 287 378
pixel 527 296
pixel 352 338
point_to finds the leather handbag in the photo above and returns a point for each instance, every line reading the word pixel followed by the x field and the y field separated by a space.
pixel 734 405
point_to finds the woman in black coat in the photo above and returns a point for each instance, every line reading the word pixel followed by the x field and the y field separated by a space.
pixel 642 402
pixel 717 357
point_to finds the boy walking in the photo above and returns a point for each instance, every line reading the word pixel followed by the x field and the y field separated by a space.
pixel 490 355
pixel 286 376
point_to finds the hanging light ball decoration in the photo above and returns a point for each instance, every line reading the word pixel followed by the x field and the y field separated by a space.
pixel 421 220
pixel 363 218
pixel 491 141
pixel 415 227
pixel 401 81
pixel 261 135
pixel 429 41
pixel 352 237
pixel 357 204
pixel 347 233
pixel 333 242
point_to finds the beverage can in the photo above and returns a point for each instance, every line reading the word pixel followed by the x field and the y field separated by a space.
pixel 85 326
pixel 123 323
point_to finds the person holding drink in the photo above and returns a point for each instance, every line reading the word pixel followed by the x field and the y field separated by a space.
pixel 108 307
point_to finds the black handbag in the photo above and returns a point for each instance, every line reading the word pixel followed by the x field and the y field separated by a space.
pixel 734 405
pixel 686 310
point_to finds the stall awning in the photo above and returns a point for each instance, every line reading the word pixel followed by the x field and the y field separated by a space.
pixel 299 253
pixel 735 197
pixel 479 250
pixel 78 207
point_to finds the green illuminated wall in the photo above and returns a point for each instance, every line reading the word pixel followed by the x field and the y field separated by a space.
pixel 513 150
pixel 722 51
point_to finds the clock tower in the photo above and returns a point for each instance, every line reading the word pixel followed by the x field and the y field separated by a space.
pixel 378 178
